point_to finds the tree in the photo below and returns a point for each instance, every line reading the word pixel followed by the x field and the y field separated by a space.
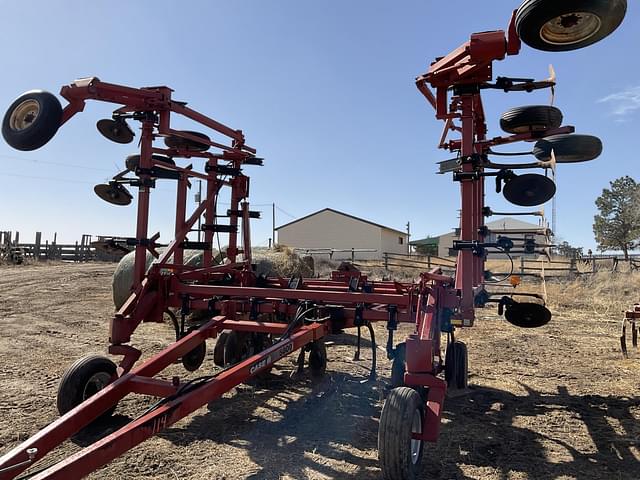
pixel 565 249
pixel 617 226
pixel 427 250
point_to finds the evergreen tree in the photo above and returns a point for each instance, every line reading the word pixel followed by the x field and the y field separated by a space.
pixel 617 225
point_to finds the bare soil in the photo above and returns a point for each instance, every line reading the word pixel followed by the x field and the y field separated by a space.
pixel 558 402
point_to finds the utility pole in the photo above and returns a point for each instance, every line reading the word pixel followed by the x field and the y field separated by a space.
pixel 273 224
pixel 408 238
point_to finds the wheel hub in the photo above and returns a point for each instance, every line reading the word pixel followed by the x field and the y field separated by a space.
pixel 24 115
pixel 572 28
pixel 416 445
pixel 96 383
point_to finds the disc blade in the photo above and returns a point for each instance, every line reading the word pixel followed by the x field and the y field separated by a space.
pixel 116 131
pixel 113 193
pixel 529 190
pixel 527 315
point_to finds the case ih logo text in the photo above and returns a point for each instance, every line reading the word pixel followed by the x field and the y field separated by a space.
pixel 286 349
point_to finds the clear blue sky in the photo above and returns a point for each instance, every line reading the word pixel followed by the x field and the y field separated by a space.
pixel 323 89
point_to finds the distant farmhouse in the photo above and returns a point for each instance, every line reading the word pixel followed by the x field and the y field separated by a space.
pixel 442 245
pixel 341 235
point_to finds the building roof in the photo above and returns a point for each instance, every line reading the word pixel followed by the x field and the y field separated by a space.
pixel 343 214
pixel 424 242
pixel 498 225
pixel 510 224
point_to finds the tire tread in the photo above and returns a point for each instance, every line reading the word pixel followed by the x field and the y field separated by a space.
pixel 394 435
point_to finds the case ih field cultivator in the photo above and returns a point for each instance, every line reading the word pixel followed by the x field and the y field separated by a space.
pixel 256 321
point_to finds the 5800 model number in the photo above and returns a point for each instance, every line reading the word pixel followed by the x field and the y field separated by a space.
pixel 284 350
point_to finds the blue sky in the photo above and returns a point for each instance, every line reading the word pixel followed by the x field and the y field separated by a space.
pixel 324 90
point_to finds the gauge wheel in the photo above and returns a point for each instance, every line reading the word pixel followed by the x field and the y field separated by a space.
pixel 32 120
pixel 533 118
pixel 133 161
pixel 85 378
pixel 456 365
pixel 237 347
pixel 318 357
pixel 557 26
pixel 181 143
pixel 218 350
pixel 570 148
pixel 193 360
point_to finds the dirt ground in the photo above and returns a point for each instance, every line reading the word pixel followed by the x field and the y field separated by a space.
pixel 554 403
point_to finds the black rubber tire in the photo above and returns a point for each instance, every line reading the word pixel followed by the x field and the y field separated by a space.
pixel 570 148
pixel 237 347
pixel 399 366
pixel 186 144
pixel 317 358
pixel 193 360
pixel 218 350
pixel 533 16
pixel 42 127
pixel 456 366
pixel 394 435
pixel 132 161
pixel 532 118
pixel 78 382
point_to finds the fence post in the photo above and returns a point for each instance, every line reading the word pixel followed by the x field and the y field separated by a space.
pixel 386 260
pixel 353 255
pixel 36 252
pixel 429 262
pixel 573 267
pixel 522 265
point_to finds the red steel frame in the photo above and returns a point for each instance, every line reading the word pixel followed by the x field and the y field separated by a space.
pixel 169 284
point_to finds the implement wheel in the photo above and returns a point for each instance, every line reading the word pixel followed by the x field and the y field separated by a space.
pixel 402 415
pixel 186 144
pixel 571 148
pixel 194 359
pixel 85 378
pixel 456 369
pixel 218 350
pixel 32 120
pixel 318 358
pixel 557 26
pixel 533 118
pixel 237 347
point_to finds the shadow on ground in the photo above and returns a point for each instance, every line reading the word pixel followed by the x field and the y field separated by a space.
pixel 489 433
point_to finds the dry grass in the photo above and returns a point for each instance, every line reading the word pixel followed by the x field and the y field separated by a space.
pixel 554 403
pixel 603 293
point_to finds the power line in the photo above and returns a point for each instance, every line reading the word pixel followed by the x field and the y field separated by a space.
pixel 286 213
pixel 45 178
pixel 59 164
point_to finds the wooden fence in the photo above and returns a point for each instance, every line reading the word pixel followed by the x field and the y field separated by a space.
pixel 82 251
pixel 533 267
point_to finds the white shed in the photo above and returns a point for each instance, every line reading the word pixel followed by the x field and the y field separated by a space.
pixel 329 230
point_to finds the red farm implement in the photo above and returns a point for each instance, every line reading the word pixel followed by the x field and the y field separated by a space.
pixel 258 320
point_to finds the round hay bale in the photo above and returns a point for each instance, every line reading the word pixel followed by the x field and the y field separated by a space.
pixel 282 262
pixel 123 276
